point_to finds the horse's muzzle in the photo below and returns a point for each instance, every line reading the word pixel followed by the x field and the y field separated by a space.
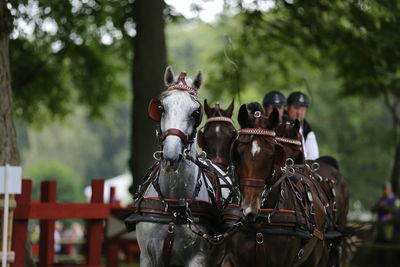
pixel 250 214
pixel 171 165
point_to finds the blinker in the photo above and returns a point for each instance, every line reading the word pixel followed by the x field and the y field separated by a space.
pixel 154 110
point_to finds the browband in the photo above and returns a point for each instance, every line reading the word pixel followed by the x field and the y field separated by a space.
pixel 183 87
pixel 289 141
pixel 257 131
pixel 219 119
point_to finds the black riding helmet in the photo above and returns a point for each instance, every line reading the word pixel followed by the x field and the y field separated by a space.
pixel 298 98
pixel 274 98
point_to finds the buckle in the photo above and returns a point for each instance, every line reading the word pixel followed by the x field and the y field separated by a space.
pixel 300 253
pixel 259 238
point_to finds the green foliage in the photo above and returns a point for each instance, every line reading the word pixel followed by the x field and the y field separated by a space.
pixel 266 54
pixel 61 56
pixel 69 186
pixel 93 149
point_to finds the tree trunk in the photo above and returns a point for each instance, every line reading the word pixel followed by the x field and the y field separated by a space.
pixel 396 170
pixel 8 141
pixel 147 81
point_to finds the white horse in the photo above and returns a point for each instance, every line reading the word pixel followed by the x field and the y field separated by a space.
pixel 179 113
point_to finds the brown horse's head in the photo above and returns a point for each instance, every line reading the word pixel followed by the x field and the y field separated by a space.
pixel 255 152
pixel 289 136
pixel 219 133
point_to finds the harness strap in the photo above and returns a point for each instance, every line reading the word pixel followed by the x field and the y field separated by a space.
pixel 260 250
pixel 251 182
pixel 221 161
pixel 198 207
pixel 169 242
pixel 270 217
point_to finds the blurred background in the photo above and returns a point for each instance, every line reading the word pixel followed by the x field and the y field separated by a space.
pixel 83 72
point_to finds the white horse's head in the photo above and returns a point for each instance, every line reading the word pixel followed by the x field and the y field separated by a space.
pixel 179 113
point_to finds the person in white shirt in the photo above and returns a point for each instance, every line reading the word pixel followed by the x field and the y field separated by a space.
pixel 297 106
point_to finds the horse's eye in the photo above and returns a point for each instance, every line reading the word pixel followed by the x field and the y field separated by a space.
pixel 161 108
pixel 195 114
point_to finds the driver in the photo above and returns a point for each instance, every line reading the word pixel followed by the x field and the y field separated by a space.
pixel 298 104
pixel 274 99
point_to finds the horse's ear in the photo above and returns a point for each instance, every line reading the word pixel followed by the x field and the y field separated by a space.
pixel 273 119
pixel 198 80
pixel 297 125
pixel 229 110
pixel 207 108
pixel 243 116
pixel 169 76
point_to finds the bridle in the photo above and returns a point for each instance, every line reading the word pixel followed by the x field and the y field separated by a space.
pixel 219 118
pixel 247 181
pixel 155 111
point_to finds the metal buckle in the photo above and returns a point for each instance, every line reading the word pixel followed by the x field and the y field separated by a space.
pixel 171 228
pixel 289 162
pixel 157 155
pixel 300 253
pixel 259 238
pixel 309 195
pixel 269 218
pixel 202 155
pixel 315 166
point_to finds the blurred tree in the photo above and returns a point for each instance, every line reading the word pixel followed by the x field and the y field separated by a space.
pixel 69 185
pixel 358 37
pixel 263 53
pixel 149 64
pixel 60 56
pixel 8 148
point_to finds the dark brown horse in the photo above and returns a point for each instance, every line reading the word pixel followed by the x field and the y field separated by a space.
pixel 218 135
pixel 332 183
pixel 283 216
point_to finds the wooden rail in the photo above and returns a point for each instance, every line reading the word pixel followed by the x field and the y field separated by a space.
pixel 47 211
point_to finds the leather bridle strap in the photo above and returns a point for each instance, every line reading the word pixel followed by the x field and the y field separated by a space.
pixel 221 161
pixel 185 139
pixel 256 131
pixel 251 182
pixel 220 119
pixel 288 141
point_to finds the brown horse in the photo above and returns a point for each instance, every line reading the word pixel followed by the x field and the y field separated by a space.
pixel 283 217
pixel 218 135
pixel 332 183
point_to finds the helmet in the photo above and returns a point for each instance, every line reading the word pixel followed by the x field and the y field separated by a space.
pixel 274 98
pixel 298 98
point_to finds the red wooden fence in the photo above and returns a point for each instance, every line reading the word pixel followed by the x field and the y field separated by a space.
pixel 47 211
